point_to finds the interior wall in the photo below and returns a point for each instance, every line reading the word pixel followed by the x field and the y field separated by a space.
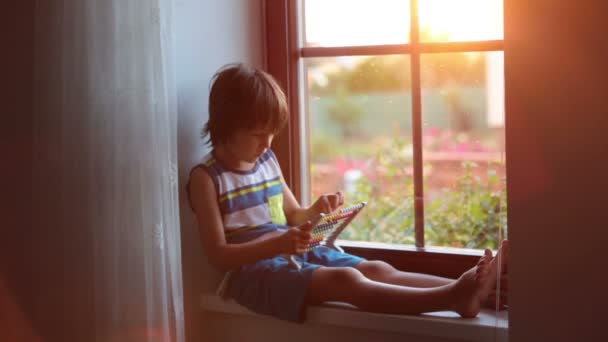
pixel 556 55
pixel 208 34
pixel 16 94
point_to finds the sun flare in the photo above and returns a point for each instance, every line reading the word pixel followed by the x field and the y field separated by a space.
pixel 373 22
pixel 462 20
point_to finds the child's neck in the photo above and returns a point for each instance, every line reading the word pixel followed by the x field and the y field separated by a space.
pixel 230 160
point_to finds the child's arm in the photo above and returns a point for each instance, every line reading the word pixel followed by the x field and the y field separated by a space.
pixel 296 215
pixel 228 256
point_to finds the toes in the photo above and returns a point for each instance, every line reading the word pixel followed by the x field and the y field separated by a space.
pixel 487 256
pixel 488 274
pixel 488 253
pixel 482 264
pixel 481 273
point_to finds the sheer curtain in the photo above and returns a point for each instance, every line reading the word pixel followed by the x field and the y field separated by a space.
pixel 104 172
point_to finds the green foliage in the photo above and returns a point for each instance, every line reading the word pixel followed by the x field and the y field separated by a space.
pixel 346 114
pixel 323 148
pixel 392 73
pixel 470 215
pixel 326 148
pixel 379 73
pixel 445 69
pixel 388 216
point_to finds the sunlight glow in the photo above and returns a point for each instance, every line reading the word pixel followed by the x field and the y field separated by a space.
pixel 351 22
pixel 374 22
pixel 461 20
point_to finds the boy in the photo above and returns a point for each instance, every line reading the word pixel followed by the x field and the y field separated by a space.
pixel 248 218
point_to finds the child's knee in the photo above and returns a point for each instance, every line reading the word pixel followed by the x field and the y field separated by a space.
pixel 375 268
pixel 345 275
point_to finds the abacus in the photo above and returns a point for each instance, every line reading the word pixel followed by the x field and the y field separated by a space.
pixel 327 228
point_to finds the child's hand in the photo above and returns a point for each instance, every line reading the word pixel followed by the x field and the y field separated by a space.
pixel 328 203
pixel 296 239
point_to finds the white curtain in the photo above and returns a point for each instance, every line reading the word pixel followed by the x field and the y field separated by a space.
pixel 104 172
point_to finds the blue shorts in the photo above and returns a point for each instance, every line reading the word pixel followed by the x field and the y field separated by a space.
pixel 272 286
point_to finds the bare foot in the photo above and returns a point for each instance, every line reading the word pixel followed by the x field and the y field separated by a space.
pixel 498 297
pixel 465 292
pixel 474 286
pixel 483 263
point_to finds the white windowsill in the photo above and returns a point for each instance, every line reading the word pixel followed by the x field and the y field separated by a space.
pixel 487 326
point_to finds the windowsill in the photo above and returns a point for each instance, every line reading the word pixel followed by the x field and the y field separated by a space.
pixel 487 326
pixel 437 250
pixel 441 261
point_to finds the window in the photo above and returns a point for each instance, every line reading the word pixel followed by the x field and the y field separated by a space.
pixel 399 103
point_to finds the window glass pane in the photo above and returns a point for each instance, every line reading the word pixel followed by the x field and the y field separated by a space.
pixel 359 119
pixel 460 20
pixel 356 22
pixel 463 149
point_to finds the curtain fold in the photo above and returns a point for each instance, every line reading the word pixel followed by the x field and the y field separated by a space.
pixel 104 171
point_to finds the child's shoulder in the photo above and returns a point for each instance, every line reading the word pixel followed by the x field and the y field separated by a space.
pixel 268 155
pixel 200 178
pixel 205 168
pixel 208 163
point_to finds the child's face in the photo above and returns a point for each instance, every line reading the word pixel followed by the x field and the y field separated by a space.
pixel 249 145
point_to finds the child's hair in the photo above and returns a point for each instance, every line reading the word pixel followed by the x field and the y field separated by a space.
pixel 243 98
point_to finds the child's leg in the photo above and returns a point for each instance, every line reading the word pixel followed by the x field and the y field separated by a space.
pixel 351 286
pixel 383 272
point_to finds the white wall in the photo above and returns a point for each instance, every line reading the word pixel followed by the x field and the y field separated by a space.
pixel 208 34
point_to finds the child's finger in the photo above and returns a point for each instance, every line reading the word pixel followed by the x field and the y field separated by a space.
pixel 333 201
pixel 325 205
pixel 340 198
pixel 305 227
pixel 304 235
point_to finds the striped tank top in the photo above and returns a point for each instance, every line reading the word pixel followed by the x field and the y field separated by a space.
pixel 247 198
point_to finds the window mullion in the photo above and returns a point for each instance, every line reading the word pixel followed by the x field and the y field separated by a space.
pixel 416 124
pixel 396 49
